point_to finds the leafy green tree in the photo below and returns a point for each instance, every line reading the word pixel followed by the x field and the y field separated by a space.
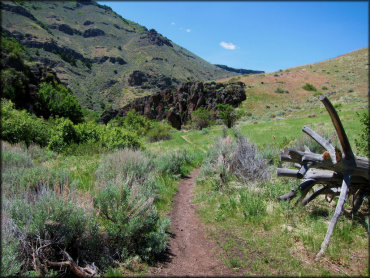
pixel 56 100
pixel 201 118
pixel 228 114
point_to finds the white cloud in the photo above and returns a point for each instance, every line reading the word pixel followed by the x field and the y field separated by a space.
pixel 188 30
pixel 228 45
pixel 173 23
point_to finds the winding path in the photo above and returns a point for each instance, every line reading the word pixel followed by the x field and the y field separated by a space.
pixel 190 252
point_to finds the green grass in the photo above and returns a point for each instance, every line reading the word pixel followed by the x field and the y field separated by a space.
pixel 284 131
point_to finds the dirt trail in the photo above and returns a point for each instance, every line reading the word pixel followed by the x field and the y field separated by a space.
pixel 190 252
pixel 191 143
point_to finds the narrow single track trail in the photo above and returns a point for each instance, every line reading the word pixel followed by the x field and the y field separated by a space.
pixel 190 252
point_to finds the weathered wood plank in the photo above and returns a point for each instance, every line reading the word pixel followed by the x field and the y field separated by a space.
pixel 342 136
pixel 338 211
pixel 324 143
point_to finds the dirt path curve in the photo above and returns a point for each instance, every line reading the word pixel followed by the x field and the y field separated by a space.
pixel 190 252
pixel 191 143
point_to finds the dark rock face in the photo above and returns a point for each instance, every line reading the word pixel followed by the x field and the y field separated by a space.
pixel 177 105
pixel 147 81
pixel 94 32
pixel 88 22
pixel 67 29
pixel 18 10
pixel 154 38
pixel 117 60
pixel 137 78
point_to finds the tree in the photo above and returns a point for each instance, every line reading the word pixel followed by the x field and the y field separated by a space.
pixel 55 100
pixel 201 118
pixel 228 114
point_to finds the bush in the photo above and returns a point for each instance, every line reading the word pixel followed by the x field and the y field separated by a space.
pixel 133 225
pixel 362 143
pixel 125 204
pixel 309 87
pixel 158 132
pixel 201 118
pixel 56 100
pixel 20 126
pixel 324 88
pixel 228 114
pixel 115 137
pixel 132 122
pixel 281 91
pixel 133 166
pixel 63 134
pixel 229 160
pixel 174 163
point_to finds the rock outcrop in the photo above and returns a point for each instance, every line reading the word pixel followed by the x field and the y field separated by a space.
pixel 154 38
pixel 177 105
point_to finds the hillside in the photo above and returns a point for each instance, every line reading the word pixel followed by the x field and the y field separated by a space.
pixel 103 58
pixel 280 94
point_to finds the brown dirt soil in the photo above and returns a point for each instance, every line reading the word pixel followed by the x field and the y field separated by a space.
pixel 190 252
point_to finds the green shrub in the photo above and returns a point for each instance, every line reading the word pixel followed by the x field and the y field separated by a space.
pixel 132 122
pixel 233 160
pixel 201 118
pixel 56 100
pixel 20 126
pixel 31 217
pixel 174 163
pixel 125 204
pixel 279 90
pixel 51 220
pixel 63 134
pixel 116 137
pixel 158 132
pixel 89 131
pixel 309 87
pixel 228 114
pixel 134 166
pixel 131 220
pixel 362 143
pixel 324 88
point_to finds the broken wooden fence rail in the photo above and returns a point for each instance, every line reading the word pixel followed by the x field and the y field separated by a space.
pixel 340 172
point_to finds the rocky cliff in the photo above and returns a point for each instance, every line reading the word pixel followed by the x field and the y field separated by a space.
pixel 177 105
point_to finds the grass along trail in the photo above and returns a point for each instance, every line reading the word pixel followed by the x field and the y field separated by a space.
pixel 191 143
pixel 190 252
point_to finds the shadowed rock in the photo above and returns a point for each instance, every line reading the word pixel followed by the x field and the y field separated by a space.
pixel 177 105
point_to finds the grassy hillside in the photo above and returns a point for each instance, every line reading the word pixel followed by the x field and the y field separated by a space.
pixel 280 94
pixel 95 51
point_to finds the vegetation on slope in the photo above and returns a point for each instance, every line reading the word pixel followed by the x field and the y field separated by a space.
pixel 104 59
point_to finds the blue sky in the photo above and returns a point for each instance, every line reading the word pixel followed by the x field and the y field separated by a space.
pixel 256 35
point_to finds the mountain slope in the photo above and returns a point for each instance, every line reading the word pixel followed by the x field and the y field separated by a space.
pixel 280 94
pixel 103 58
